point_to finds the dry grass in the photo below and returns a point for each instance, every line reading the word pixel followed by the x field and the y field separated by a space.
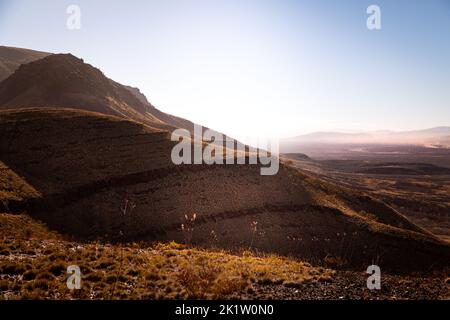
pixel 13 187
pixel 33 266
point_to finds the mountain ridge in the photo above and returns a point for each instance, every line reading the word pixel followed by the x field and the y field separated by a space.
pixel 86 145
pixel 11 58
pixel 37 81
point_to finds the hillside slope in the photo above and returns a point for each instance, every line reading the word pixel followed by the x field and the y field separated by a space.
pixel 35 268
pixel 33 264
pixel 62 80
pixel 81 168
pixel 11 58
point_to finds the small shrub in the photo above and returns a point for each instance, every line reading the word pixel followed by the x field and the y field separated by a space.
pixel 4 285
pixel 111 279
pixel 133 272
pixel 94 277
pixel 45 276
pixel 227 285
pixel 4 251
pixel 56 257
pixel 265 281
pixel 152 276
pixel 335 262
pixel 13 269
pixel 30 275
pixel 57 268
pixel 28 232
pixel 41 284
pixel 104 264
pixel 199 277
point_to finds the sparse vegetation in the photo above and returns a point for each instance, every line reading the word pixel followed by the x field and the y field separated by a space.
pixel 188 227
pixel 160 271
pixel 254 230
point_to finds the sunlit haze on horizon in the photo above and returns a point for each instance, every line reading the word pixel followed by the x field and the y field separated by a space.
pixel 260 68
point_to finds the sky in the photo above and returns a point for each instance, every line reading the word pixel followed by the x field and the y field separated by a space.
pixel 259 67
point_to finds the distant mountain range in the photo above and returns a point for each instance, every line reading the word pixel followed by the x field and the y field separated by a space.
pixel 433 137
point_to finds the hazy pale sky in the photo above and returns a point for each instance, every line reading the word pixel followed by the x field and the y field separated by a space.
pixel 260 67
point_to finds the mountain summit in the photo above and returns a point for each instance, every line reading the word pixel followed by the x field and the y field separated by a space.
pixel 65 81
